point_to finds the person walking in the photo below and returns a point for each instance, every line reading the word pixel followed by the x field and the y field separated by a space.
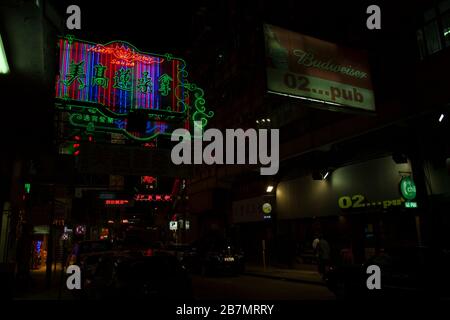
pixel 323 253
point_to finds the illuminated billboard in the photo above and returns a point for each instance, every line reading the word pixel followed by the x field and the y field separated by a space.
pixel 100 85
pixel 303 67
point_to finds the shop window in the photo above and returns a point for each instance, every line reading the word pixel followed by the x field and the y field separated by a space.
pixel 434 32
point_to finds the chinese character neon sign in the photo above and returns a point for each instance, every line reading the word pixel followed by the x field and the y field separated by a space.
pixel 99 85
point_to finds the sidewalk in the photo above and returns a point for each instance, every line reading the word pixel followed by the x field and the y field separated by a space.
pixel 39 291
pixel 295 275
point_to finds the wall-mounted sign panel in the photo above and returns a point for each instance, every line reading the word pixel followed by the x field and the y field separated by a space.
pixel 300 66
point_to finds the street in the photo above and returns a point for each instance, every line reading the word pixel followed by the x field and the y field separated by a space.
pixel 224 151
pixel 256 288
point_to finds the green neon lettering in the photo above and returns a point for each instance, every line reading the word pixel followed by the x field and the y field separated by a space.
pixel 76 72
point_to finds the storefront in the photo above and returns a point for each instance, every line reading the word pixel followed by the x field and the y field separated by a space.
pixel 359 208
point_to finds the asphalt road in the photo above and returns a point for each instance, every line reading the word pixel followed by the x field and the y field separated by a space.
pixel 256 288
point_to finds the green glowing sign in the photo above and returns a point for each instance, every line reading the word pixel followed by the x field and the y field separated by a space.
pixel 164 84
pixel 145 84
pixel 410 204
pixel 267 208
pixel 27 187
pixel 122 79
pixel 76 72
pixel 408 188
pixel 99 76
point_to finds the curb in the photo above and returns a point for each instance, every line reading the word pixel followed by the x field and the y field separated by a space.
pixel 256 274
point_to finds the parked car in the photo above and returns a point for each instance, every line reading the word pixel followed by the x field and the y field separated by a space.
pixel 87 247
pixel 131 277
pixel 214 257
pixel 405 272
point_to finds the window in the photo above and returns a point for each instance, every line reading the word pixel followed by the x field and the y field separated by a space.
pixel 4 68
pixel 434 33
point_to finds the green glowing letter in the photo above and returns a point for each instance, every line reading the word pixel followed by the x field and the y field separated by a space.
pixel 145 84
pixel 122 79
pixel 76 72
pixel 99 76
pixel 164 84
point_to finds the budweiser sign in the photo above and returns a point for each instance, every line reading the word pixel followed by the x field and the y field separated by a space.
pixel 308 59
pixel 304 67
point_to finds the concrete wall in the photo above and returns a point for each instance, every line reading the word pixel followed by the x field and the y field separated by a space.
pixel 376 180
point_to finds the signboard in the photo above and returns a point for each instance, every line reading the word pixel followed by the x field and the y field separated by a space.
pixel 102 87
pixel 267 209
pixel 358 201
pixel 408 188
pixel 300 66
pixel 80 230
pixel 152 197
pixel 149 182
pixel 173 225
pixel 411 204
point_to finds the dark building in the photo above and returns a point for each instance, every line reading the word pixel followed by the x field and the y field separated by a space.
pixel 28 30
pixel 329 157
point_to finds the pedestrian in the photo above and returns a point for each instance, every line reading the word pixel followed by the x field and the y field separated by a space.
pixel 323 253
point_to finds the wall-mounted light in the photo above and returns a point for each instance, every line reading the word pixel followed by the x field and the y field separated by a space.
pixel 441 117
pixel 269 188
pixel 321 174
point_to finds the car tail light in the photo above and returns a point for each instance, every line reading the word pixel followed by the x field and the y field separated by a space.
pixel 148 252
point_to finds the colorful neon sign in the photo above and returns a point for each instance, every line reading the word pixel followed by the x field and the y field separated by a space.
pixel 100 85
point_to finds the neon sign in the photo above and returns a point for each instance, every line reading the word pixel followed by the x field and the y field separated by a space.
pixel 359 201
pixel 116 202
pixel 149 182
pixel 100 85
pixel 153 197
